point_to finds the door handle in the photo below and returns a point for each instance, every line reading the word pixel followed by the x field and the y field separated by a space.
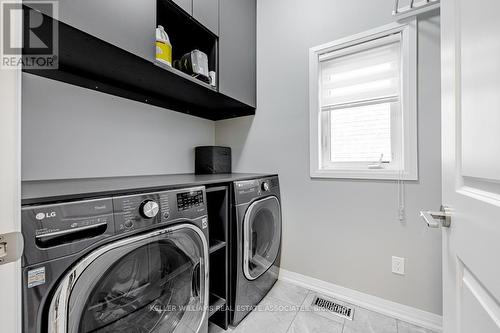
pixel 435 219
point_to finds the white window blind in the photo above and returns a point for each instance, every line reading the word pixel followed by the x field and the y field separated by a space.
pixel 371 74
pixel 358 89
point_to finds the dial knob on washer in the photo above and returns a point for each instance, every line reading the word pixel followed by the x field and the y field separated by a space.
pixel 265 186
pixel 149 209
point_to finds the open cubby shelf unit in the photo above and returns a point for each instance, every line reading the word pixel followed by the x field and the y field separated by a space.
pixel 185 33
pixel 218 221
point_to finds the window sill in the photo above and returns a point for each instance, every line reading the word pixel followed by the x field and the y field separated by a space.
pixel 373 174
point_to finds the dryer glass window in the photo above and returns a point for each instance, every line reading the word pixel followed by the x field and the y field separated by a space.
pixel 155 285
pixel 262 236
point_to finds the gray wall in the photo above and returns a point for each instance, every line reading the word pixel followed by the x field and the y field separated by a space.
pixel 341 231
pixel 71 132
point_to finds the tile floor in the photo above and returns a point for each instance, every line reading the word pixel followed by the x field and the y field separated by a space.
pixel 286 309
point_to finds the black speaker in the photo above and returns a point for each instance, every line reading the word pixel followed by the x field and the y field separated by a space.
pixel 212 159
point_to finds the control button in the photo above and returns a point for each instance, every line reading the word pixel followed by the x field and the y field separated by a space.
pixel 149 209
pixel 128 224
pixel 265 186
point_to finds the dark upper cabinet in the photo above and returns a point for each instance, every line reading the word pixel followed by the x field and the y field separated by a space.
pixel 237 50
pixel 129 25
pixel 187 5
pixel 204 11
pixel 207 13
pixel 224 29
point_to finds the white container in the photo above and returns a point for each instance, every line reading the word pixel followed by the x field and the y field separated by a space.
pixel 163 47
pixel 212 76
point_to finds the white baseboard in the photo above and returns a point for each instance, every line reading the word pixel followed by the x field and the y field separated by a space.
pixel 406 313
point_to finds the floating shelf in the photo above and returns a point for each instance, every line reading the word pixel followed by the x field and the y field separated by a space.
pixel 217 245
pixel 89 62
pixel 184 75
pixel 216 303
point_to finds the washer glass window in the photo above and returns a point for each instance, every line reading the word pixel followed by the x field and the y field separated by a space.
pixel 153 284
pixel 262 236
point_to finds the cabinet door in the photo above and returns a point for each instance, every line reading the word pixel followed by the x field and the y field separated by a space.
pixel 207 13
pixel 187 5
pixel 237 50
pixel 129 25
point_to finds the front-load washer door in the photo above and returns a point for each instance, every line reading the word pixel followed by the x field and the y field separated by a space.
pixel 153 282
pixel 261 236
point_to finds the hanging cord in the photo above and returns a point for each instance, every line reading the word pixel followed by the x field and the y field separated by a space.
pixel 401 197
pixel 401 187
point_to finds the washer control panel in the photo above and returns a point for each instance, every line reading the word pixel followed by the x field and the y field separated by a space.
pixel 188 200
pixel 137 211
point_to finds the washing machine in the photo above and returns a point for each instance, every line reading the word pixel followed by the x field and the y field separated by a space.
pixel 126 263
pixel 256 246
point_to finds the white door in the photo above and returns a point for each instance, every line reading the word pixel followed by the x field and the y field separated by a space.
pixel 471 164
pixel 10 181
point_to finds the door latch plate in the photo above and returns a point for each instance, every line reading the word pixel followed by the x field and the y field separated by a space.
pixel 11 247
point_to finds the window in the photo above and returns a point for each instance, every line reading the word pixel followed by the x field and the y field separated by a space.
pixel 363 105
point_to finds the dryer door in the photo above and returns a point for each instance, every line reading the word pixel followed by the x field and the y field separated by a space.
pixel 261 236
pixel 154 282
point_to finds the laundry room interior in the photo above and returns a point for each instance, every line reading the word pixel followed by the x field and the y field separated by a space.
pixel 250 166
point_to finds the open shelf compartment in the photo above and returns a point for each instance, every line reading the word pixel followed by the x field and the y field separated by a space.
pixel 216 304
pixel 216 245
pixel 218 220
pixel 186 34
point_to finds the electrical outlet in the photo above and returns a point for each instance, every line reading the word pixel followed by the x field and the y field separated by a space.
pixel 398 265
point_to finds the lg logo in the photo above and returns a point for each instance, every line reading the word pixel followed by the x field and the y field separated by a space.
pixel 41 216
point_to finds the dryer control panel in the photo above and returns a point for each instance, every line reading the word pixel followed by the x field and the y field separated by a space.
pixel 247 190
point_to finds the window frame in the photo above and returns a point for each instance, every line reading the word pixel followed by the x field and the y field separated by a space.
pixel 408 104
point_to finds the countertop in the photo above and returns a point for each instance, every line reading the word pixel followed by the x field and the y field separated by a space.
pixel 44 191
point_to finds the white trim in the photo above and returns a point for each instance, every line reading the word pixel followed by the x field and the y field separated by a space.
pixel 10 188
pixel 375 174
pixel 387 39
pixel 359 38
pixel 408 31
pixel 395 310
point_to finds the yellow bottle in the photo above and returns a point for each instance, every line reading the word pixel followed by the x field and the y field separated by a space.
pixel 163 47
